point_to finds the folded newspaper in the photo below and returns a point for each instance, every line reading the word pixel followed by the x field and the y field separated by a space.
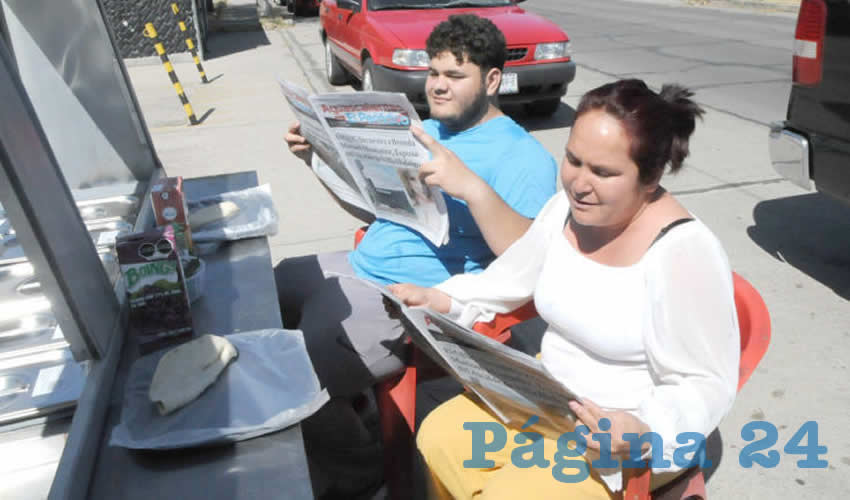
pixel 514 385
pixel 367 156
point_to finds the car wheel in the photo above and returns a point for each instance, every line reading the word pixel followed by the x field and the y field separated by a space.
pixel 368 72
pixel 290 6
pixel 336 73
pixel 546 107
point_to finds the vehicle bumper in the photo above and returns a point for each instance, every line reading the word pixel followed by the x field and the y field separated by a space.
pixel 536 82
pixel 540 81
pixel 789 154
pixel 810 159
pixel 411 83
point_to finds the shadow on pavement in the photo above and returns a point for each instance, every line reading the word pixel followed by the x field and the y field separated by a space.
pixel 205 115
pixel 714 452
pixel 563 117
pixel 221 43
pixel 307 17
pixel 810 232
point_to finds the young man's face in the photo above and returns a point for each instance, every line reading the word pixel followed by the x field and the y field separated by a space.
pixel 458 94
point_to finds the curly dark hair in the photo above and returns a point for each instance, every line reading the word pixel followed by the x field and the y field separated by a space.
pixel 481 41
pixel 659 124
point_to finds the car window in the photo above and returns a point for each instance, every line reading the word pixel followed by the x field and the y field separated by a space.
pixel 433 4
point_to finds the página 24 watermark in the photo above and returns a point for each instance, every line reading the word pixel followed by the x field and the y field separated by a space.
pixel 690 451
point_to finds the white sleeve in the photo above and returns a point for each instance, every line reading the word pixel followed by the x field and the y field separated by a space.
pixel 693 341
pixel 509 281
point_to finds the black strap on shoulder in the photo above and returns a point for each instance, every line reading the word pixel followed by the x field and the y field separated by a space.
pixel 670 226
pixel 664 230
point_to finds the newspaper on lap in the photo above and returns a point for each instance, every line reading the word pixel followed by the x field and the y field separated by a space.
pixel 367 156
pixel 514 385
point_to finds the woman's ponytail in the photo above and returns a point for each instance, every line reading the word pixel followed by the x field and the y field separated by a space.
pixel 683 114
pixel 659 124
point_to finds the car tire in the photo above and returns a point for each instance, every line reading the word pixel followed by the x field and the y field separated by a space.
pixel 334 70
pixel 290 6
pixel 368 83
pixel 545 107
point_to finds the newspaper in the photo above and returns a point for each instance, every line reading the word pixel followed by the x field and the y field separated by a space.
pixel 367 156
pixel 514 385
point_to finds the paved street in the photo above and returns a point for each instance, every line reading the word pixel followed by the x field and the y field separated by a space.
pixel 737 60
pixel 794 246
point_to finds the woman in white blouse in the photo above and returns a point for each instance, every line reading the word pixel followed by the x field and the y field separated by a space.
pixel 637 294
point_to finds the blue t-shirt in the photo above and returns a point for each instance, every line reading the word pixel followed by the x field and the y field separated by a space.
pixel 499 151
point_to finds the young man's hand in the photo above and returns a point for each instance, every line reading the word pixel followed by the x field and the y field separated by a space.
pixel 447 171
pixel 417 296
pixel 500 224
pixel 298 144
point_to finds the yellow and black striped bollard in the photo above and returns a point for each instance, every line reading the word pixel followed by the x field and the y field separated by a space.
pixel 189 43
pixel 150 32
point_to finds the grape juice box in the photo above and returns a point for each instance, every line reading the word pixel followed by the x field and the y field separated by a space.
pixel 160 314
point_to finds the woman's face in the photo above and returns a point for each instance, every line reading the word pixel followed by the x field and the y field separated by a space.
pixel 599 177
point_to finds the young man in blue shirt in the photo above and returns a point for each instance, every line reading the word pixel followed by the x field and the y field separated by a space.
pixel 495 178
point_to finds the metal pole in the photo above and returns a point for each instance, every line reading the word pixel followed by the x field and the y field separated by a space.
pixel 200 18
pixel 176 10
pixel 150 32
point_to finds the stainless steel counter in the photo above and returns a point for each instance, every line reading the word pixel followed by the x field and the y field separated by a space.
pixel 29 454
pixel 240 295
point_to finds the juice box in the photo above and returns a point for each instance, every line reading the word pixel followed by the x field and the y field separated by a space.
pixel 160 314
pixel 169 207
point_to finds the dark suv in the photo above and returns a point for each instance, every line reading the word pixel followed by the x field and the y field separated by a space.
pixel 813 143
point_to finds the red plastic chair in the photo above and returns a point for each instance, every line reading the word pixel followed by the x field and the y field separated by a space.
pixel 754 324
pixel 359 234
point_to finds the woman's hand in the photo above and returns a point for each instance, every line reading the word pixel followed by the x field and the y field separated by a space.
pixel 622 422
pixel 297 143
pixel 417 296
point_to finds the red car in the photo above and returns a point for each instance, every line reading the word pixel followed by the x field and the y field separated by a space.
pixel 382 44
